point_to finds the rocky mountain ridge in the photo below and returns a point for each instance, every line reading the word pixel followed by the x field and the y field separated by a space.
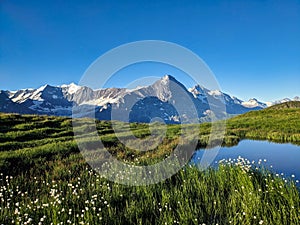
pixel 166 99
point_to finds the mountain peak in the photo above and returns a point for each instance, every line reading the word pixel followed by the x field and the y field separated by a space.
pixel 253 100
pixel 168 77
pixel 58 100
pixel 71 88
pixel 215 92
pixel 42 88
pixel 72 84
pixel 197 90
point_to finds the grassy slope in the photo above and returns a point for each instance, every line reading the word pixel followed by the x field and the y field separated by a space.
pixel 279 123
pixel 274 124
pixel 25 138
pixel 39 150
pixel 285 105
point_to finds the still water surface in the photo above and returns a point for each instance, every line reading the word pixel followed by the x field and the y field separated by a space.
pixel 284 158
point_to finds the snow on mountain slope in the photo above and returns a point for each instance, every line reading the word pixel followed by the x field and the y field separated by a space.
pixel 253 102
pixel 296 98
pixel 199 92
pixel 70 88
pixel 44 100
pixel 8 106
pixel 139 105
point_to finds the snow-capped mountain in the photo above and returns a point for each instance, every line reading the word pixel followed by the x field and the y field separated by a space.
pixel 7 105
pixel 233 104
pixel 253 102
pixel 165 99
pixel 296 98
pixel 44 100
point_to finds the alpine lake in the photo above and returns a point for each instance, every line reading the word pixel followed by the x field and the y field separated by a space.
pixel 281 158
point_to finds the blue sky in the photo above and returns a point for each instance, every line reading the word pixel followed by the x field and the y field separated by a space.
pixel 252 47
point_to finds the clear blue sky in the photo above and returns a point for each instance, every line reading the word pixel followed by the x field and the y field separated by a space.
pixel 253 47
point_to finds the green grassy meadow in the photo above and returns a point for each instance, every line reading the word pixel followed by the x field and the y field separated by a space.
pixel 44 179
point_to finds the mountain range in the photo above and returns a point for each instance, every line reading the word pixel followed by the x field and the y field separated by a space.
pixel 166 99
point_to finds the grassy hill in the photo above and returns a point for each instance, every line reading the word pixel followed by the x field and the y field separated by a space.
pixel 24 138
pixel 43 177
pixel 279 123
pixel 285 105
